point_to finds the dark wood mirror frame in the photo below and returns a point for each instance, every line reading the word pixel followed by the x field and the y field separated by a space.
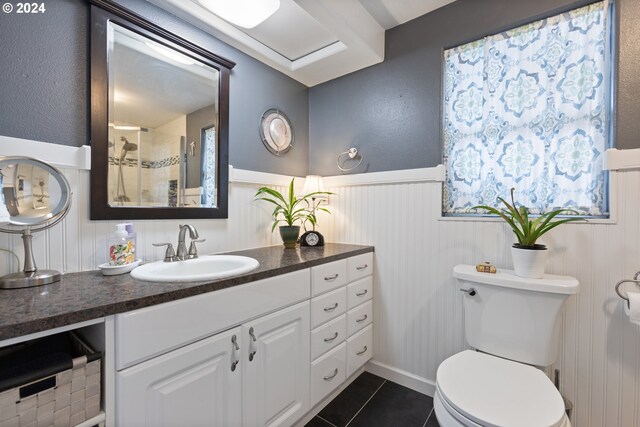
pixel 102 12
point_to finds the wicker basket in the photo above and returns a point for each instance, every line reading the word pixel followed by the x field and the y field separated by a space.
pixel 54 381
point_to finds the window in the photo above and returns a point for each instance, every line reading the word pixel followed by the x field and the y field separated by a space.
pixel 529 108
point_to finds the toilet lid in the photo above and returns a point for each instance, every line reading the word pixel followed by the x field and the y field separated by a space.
pixel 497 392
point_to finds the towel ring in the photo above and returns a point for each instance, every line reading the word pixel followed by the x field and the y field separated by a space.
pixel 352 153
pixel 635 280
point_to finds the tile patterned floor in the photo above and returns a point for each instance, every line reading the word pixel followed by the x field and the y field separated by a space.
pixel 375 402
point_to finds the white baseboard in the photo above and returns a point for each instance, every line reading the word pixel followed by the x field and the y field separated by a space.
pixel 404 378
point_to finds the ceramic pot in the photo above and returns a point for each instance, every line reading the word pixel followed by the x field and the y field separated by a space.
pixel 529 262
pixel 289 234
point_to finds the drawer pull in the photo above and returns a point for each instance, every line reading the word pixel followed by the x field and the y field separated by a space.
pixel 361 267
pixel 328 309
pixel 362 319
pixel 332 376
pixel 359 294
pixel 359 353
pixel 253 339
pixel 235 347
pixel 332 338
pixel 331 278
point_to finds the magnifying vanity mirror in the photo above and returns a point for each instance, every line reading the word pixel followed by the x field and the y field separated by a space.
pixel 35 196
pixel 159 121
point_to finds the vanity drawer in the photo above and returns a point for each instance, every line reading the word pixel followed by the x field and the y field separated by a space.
pixel 328 336
pixel 359 317
pixel 359 292
pixel 359 349
pixel 328 276
pixel 328 306
pixel 359 266
pixel 327 373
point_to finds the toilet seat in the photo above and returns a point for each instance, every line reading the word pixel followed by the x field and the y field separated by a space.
pixel 489 391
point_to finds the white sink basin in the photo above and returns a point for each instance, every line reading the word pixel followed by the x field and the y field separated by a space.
pixel 207 267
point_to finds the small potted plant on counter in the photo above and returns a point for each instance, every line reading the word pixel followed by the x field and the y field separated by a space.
pixel 529 258
pixel 288 210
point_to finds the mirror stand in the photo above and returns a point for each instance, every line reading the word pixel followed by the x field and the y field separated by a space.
pixel 30 275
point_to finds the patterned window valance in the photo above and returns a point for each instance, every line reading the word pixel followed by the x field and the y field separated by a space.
pixel 529 108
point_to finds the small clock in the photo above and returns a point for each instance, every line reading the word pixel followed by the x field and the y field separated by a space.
pixel 312 238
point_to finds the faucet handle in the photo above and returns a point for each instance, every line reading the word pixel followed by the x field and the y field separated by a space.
pixel 170 254
pixel 193 251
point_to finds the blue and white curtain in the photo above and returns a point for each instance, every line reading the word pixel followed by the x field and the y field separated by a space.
pixel 528 108
pixel 209 196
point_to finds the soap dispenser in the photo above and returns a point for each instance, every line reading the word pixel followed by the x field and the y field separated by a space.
pixel 121 247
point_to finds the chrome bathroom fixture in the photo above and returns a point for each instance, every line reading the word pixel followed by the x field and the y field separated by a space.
pixel 276 131
pixel 35 197
pixel 350 154
pixel 636 280
pixel 121 193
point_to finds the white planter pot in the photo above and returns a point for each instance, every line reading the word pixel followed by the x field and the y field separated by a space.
pixel 529 263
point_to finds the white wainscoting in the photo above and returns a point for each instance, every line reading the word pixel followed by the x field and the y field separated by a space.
pixel 418 308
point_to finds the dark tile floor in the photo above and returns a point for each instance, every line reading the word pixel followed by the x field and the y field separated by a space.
pixel 375 402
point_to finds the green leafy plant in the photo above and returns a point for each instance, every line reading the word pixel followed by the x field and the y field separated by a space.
pixel 289 208
pixel 527 230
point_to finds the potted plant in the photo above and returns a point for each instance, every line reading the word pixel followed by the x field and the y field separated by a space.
pixel 529 258
pixel 287 210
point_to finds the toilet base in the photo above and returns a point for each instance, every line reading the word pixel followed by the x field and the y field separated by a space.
pixel 449 417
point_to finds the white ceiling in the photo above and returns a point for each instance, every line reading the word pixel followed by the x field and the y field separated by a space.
pixel 312 41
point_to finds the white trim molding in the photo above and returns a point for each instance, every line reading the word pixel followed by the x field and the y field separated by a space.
pixel 433 174
pixel 407 379
pixel 621 160
pixel 62 156
pixel 243 176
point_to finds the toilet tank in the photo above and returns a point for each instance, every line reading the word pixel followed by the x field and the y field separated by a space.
pixel 514 317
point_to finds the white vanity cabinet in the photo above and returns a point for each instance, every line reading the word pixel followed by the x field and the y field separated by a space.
pixel 259 354
pixel 212 381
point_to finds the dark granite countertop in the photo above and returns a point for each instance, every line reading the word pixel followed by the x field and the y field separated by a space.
pixel 78 297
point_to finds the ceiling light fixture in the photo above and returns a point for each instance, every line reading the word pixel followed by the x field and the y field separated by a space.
pixel 243 13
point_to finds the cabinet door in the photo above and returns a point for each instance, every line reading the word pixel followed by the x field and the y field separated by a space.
pixel 196 385
pixel 276 367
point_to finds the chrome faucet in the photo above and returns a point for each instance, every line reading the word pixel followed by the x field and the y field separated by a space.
pixel 182 253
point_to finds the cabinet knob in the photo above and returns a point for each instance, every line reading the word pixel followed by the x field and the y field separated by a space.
pixel 362 267
pixel 330 278
pixel 363 351
pixel 359 294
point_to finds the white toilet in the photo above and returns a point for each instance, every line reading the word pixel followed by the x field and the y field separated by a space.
pixel 514 323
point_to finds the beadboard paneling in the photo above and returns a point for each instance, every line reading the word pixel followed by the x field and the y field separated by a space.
pixel 78 244
pixel 418 308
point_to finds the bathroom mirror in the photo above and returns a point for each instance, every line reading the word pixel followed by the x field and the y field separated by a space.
pixel 35 196
pixel 159 121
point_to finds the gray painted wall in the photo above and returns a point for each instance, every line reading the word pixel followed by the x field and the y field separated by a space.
pixel 391 111
pixel 44 80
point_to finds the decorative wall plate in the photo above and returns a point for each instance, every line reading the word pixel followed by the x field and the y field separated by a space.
pixel 276 131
